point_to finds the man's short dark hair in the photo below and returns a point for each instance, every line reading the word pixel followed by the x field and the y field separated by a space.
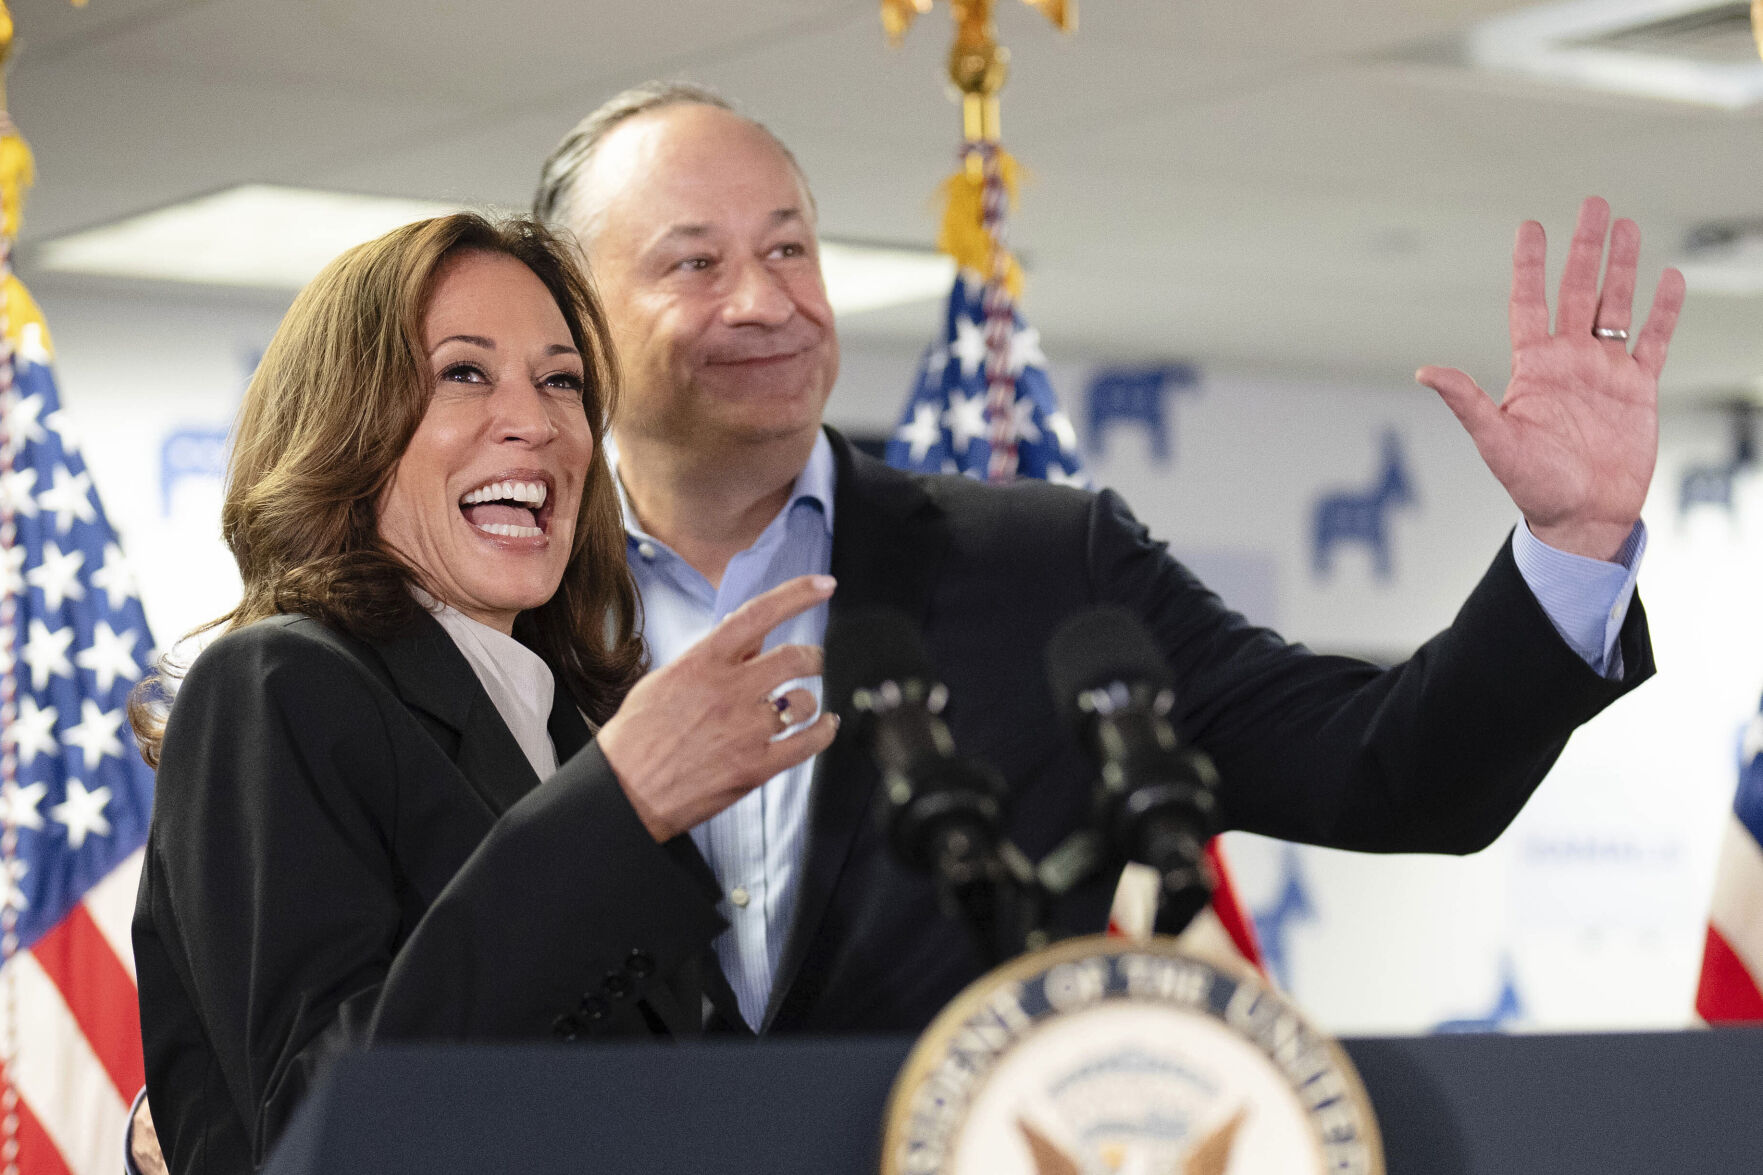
pixel 560 179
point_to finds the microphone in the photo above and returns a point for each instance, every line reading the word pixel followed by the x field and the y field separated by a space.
pixel 1156 801
pixel 943 813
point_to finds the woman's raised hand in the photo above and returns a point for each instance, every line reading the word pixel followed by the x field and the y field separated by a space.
pixel 698 734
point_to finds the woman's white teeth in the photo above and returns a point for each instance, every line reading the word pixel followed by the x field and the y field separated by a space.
pixel 508 530
pixel 531 493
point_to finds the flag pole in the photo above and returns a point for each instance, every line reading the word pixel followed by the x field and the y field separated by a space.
pixel 15 176
pixel 17 173
pixel 93 830
pixel 979 195
pixel 934 434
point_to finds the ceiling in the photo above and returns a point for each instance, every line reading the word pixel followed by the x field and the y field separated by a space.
pixel 1276 185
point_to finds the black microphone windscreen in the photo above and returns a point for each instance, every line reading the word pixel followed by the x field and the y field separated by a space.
pixel 870 645
pixel 1102 645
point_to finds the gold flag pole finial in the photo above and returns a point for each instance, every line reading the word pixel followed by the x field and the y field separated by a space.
pixel 16 167
pixel 1757 24
pixel 978 65
pixel 978 197
pixel 5 48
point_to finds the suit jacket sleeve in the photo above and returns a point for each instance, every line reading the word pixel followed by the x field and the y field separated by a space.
pixel 1437 754
pixel 274 906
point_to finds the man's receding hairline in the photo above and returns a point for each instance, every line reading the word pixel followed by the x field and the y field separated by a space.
pixel 565 176
pixel 657 113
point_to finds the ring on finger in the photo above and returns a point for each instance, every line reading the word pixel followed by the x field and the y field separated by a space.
pixel 1615 333
pixel 780 706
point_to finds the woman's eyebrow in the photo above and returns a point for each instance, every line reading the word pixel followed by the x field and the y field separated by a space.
pixel 475 340
pixel 490 345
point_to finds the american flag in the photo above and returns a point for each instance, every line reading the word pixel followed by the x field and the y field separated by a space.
pixel 947 428
pixel 1731 989
pixel 74 791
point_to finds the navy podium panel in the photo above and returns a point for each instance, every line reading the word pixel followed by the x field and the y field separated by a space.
pixel 1448 1105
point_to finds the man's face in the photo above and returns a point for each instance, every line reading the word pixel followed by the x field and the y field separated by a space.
pixel 705 254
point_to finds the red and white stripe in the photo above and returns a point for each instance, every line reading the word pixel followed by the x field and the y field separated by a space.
pixel 77 1032
pixel 1221 931
pixel 1731 988
pixel 70 1029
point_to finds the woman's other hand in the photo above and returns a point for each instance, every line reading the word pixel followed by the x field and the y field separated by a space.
pixel 702 731
pixel 144 1150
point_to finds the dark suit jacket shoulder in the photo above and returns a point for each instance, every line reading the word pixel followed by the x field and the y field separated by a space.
pixel 1434 755
pixel 348 846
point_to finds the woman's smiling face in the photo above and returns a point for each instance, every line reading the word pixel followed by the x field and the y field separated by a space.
pixel 485 499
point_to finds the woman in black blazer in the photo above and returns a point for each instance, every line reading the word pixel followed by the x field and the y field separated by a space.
pixel 370 824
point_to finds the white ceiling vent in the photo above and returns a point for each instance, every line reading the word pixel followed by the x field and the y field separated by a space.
pixel 1720 35
pixel 1677 50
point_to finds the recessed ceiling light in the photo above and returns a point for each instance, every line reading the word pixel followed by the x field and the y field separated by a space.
pixel 863 277
pixel 260 235
pixel 1694 51
pixel 276 237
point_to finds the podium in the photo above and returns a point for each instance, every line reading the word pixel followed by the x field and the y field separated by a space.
pixel 1447 1105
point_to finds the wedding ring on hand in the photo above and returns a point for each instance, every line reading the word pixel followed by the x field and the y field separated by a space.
pixel 1611 332
pixel 781 706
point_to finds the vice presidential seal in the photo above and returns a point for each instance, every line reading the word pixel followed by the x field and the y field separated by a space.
pixel 1106 1056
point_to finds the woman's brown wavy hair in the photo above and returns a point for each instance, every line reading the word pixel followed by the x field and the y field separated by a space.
pixel 328 415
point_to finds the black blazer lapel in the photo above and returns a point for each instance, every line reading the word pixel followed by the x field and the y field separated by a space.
pixel 432 676
pixel 568 729
pixel 889 541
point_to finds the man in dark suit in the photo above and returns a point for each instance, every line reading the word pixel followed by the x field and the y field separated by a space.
pixel 700 232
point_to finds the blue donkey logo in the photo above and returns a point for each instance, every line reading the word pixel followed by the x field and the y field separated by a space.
pixel 1707 485
pixel 1361 517
pixel 1274 923
pixel 1137 395
pixel 1712 484
pixel 1507 1009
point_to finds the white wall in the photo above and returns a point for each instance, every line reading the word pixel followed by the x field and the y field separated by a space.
pixel 136 374
pixel 1593 902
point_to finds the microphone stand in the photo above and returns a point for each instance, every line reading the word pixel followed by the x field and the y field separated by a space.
pixel 945 814
pixel 1156 800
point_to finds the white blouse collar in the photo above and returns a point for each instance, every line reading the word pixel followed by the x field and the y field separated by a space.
pixel 516 678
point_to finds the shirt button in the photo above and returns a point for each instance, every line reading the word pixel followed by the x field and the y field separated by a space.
pixel 739 896
pixel 646 550
pixel 1615 611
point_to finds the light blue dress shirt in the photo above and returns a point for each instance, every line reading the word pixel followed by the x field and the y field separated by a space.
pixel 1586 599
pixel 756 845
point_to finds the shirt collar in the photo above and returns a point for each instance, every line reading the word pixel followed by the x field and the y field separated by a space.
pixel 814 485
pixel 492 652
